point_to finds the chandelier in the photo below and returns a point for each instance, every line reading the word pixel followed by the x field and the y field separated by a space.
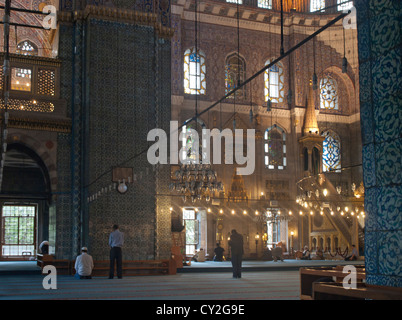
pixel 196 182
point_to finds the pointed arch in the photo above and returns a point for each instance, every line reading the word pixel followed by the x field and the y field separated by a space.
pixel 329 93
pixel 274 79
pixel 275 148
pixel 27 48
pixel 331 152
pixel 235 73
pixel 194 72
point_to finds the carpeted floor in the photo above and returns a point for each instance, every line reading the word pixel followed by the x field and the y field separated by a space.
pixel 262 280
pixel 283 285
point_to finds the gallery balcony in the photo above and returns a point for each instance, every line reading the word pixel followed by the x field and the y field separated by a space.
pixel 34 100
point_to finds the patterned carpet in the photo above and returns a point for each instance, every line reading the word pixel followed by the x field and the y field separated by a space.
pixel 276 285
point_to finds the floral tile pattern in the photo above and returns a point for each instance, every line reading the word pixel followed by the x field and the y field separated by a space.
pixel 379 43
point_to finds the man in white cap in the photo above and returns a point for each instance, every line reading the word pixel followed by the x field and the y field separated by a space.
pixel 84 265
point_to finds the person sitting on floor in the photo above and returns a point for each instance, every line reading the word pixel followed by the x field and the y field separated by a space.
pixel 84 265
pixel 199 256
pixel 44 247
pixel 354 254
pixel 306 254
pixel 218 253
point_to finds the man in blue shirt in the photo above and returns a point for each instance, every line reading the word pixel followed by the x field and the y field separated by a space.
pixel 116 240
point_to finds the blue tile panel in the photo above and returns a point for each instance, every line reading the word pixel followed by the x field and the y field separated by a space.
pixel 379 41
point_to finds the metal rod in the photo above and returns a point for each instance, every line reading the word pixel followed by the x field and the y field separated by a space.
pixel 332 22
pixel 329 24
pixel 25 10
pixel 24 25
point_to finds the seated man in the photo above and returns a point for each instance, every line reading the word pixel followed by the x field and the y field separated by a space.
pixel 84 265
pixel 277 253
pixel 354 254
pixel 218 253
pixel 199 256
pixel 319 255
pixel 306 254
pixel 44 247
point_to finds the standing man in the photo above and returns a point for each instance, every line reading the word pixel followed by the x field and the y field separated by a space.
pixel 116 240
pixel 236 244
pixel 84 265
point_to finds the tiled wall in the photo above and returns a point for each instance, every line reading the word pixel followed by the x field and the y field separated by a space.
pixel 379 38
pixel 109 72
pixel 125 63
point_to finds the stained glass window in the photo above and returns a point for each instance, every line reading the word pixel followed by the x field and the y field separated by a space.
pixel 273 83
pixel 27 48
pixel 235 71
pixel 266 4
pixel 317 5
pixel 194 72
pixel 275 148
pixel 331 152
pixel 344 5
pixel 328 93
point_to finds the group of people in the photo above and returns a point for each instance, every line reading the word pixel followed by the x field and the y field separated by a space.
pixel 84 263
pixel 200 255
pixel 236 245
pixel 305 254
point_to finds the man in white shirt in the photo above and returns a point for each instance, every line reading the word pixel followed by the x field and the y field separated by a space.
pixel 199 256
pixel 84 265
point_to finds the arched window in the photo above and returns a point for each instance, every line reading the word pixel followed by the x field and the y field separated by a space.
pixel 317 5
pixel 235 73
pixel 331 152
pixel 275 148
pixel 328 93
pixel 27 48
pixel 273 83
pixel 344 5
pixel 194 72
pixel 266 4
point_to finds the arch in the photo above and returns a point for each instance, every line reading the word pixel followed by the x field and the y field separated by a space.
pixel 22 162
pixel 331 152
pixel 274 83
pixel 40 38
pixel 40 151
pixel 275 148
pixel 346 90
pixel 328 244
pixel 27 47
pixel 315 161
pixel 235 73
pixel 314 243
pixel 329 98
pixel 194 71
pixel 321 243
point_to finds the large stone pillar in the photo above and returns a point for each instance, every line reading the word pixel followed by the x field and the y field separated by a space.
pixel 379 42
